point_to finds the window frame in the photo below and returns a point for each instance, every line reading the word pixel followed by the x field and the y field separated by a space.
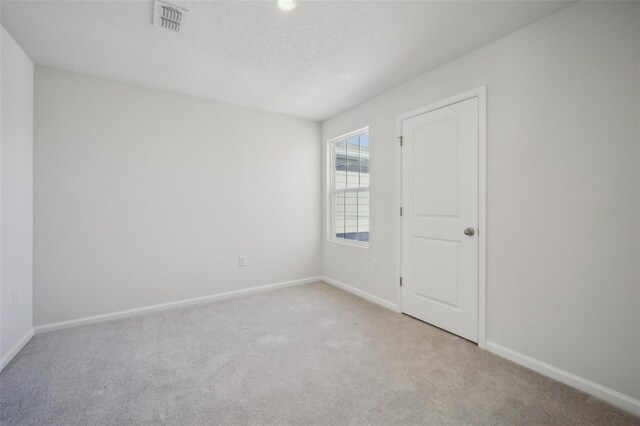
pixel 331 234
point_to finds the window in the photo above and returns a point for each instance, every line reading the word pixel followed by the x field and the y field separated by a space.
pixel 349 203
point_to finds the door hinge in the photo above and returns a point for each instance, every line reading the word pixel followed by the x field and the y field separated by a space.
pixel 400 281
pixel 400 140
pixel 400 211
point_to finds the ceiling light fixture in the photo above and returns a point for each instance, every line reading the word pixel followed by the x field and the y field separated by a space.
pixel 287 5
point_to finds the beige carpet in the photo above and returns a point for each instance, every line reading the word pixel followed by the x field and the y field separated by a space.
pixel 309 354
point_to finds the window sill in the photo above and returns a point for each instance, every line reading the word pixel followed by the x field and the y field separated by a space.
pixel 349 243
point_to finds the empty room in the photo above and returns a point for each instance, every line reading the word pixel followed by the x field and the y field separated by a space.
pixel 313 212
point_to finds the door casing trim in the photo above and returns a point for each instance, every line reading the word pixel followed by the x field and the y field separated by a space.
pixel 481 94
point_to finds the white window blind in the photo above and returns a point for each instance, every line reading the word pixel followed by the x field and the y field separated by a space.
pixel 349 203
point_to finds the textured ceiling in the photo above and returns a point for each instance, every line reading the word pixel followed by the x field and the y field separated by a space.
pixel 313 62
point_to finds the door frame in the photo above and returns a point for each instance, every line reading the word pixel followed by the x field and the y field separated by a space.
pixel 481 94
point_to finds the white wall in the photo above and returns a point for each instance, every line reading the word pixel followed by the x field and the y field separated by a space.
pixel 146 197
pixel 563 146
pixel 16 189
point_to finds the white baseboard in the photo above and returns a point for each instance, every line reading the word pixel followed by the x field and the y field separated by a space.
pixel 370 297
pixel 16 348
pixel 611 396
pixel 170 305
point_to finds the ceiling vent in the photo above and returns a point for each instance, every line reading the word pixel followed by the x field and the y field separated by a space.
pixel 167 15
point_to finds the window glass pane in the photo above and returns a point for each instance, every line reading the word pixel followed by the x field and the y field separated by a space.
pixel 338 216
pixel 363 216
pixel 338 204
pixel 340 154
pixel 351 215
pixel 350 231
pixel 353 162
pixel 339 226
pixel 364 161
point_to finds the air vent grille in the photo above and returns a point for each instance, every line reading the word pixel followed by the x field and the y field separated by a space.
pixel 169 16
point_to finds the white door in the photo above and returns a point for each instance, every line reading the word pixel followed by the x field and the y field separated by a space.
pixel 440 217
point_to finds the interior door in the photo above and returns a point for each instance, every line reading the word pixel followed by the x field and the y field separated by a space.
pixel 440 217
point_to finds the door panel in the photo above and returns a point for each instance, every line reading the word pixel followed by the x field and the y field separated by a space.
pixel 436 276
pixel 440 200
pixel 435 190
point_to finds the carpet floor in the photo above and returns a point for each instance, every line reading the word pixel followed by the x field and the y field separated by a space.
pixel 310 354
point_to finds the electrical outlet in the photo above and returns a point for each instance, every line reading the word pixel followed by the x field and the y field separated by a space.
pixel 376 264
pixel 242 261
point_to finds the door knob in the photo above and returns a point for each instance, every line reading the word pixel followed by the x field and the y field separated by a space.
pixel 469 231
